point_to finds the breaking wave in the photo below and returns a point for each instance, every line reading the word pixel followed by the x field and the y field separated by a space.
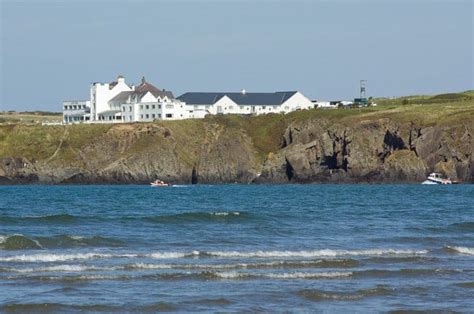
pixel 21 242
pixel 460 250
pixel 147 266
pixel 326 253
pixel 202 275
pixel 316 253
pixel 321 295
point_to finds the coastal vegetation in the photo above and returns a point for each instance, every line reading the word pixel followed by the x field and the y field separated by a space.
pixel 246 145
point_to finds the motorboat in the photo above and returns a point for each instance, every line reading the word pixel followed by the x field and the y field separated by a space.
pixel 437 178
pixel 159 183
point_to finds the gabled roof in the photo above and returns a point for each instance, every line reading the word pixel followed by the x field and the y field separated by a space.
pixel 201 98
pixel 145 87
pixel 121 97
pixel 140 91
pixel 256 99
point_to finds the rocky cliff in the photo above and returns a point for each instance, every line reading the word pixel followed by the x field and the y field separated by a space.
pixel 353 145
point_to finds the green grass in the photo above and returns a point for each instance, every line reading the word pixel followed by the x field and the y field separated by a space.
pixel 188 137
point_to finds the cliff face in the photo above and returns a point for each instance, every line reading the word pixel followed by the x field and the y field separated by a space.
pixel 371 151
pixel 234 149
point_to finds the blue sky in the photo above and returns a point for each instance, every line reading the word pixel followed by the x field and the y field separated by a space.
pixel 52 50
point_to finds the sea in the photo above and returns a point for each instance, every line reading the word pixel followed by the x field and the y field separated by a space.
pixel 237 248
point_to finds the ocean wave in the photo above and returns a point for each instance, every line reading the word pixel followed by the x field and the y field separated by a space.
pixel 321 295
pixel 302 275
pixel 18 242
pixel 94 308
pixel 216 216
pixel 189 275
pixel 210 267
pixel 326 253
pixel 314 253
pixel 52 257
pixel 410 272
pixel 21 242
pixel 460 250
pixel 463 226
pixel 57 218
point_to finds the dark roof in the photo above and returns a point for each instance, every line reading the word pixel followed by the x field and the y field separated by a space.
pixel 121 97
pixel 258 99
pixel 145 87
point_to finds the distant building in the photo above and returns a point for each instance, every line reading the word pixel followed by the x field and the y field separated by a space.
pixel 199 103
pixel 117 102
pixel 324 104
pixel 76 111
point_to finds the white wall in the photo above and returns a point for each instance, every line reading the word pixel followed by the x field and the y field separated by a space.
pixel 101 94
pixel 296 102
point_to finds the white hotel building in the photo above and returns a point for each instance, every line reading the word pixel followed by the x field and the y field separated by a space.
pixel 117 102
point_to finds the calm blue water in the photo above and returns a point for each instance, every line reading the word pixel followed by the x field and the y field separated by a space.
pixel 229 248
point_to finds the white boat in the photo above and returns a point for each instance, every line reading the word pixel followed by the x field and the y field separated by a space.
pixel 437 178
pixel 159 183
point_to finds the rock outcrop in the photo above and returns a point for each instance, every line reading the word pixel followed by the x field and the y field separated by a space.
pixel 207 151
pixel 371 151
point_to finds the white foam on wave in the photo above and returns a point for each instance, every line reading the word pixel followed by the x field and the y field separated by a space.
pixel 316 253
pixel 168 255
pixel 302 275
pixel 3 239
pixel 462 249
pixel 284 276
pixel 47 257
pixel 145 266
pixel 58 268
pixel 226 213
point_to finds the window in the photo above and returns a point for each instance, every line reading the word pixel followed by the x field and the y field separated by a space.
pixel 153 107
pixel 153 115
pixel 263 107
pixel 159 115
pixel 147 116
pixel 169 115
pixel 141 107
pixel 159 106
pixel 141 116
pixel 129 108
pixel 130 118
pixel 241 107
pixel 147 107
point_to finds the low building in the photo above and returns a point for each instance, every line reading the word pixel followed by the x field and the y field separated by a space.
pixel 76 111
pixel 201 103
pixel 321 104
pixel 118 102
pixel 148 103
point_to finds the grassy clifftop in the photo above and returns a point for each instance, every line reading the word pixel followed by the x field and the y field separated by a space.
pixel 63 144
